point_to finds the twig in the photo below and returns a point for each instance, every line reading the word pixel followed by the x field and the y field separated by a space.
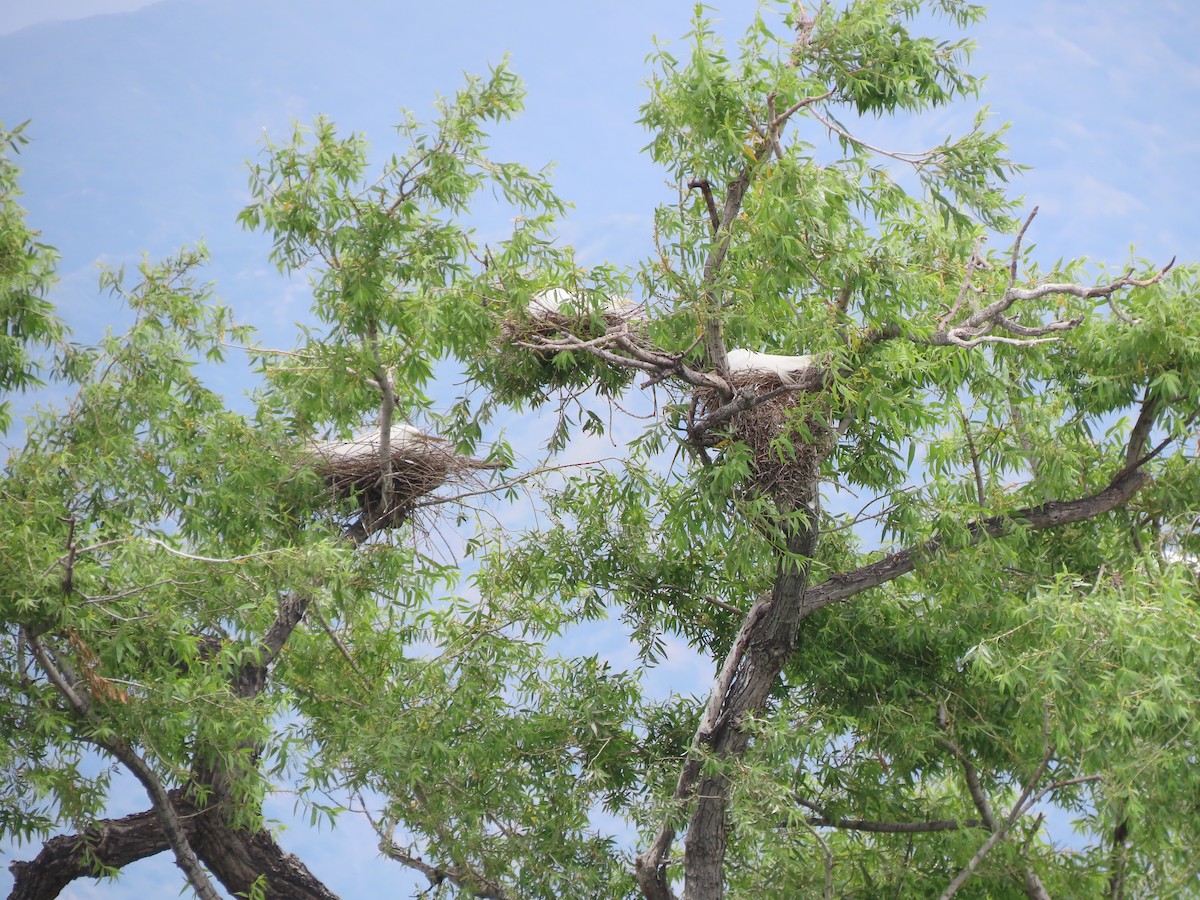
pixel 975 464
pixel 911 158
pixel 824 820
pixel 211 559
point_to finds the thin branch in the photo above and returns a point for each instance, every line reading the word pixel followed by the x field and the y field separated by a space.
pixel 1034 889
pixel 827 855
pixel 800 104
pixel 1016 250
pixel 476 885
pixel 315 610
pixel 822 819
pixel 974 262
pixel 211 559
pixel 1023 804
pixel 910 158
pixel 507 484
pixel 1118 860
pixel 721 604
pixel 975 463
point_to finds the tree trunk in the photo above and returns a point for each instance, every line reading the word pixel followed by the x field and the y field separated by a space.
pixel 773 630
pixel 771 641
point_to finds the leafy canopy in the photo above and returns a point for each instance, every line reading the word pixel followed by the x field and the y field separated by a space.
pixel 944 566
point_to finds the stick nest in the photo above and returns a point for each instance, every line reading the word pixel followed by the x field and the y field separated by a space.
pixel 417 464
pixel 519 372
pixel 787 437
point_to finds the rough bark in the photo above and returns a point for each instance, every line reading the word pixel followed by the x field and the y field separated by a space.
pixel 236 858
pixel 239 859
pixel 770 641
pixel 113 843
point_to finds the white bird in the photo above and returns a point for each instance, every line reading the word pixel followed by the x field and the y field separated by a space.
pixel 553 300
pixel 786 368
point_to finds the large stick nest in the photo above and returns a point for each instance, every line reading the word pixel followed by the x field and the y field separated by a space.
pixel 416 464
pixel 555 312
pixel 530 359
pixel 787 436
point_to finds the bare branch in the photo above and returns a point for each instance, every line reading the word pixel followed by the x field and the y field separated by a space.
pixel 974 262
pixel 824 820
pixel 915 158
pixel 1078 290
pixel 1033 885
pixel 1016 250
pixel 1037 331
pixel 800 104
pixel 476 885
pixel 976 328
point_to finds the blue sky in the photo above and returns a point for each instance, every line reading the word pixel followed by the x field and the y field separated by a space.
pixel 142 115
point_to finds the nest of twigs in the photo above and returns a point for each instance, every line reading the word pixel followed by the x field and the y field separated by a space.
pixel 787 438
pixel 388 487
pixel 552 324
pixel 528 362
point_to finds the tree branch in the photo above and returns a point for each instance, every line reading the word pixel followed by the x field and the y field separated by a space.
pixel 1139 435
pixel 1118 860
pixel 164 809
pixel 1034 888
pixel 714 217
pixel 1000 831
pixel 483 888
pixel 112 843
pixel 1048 515
pixel 824 820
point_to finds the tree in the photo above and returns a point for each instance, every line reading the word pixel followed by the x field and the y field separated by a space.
pixel 929 508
